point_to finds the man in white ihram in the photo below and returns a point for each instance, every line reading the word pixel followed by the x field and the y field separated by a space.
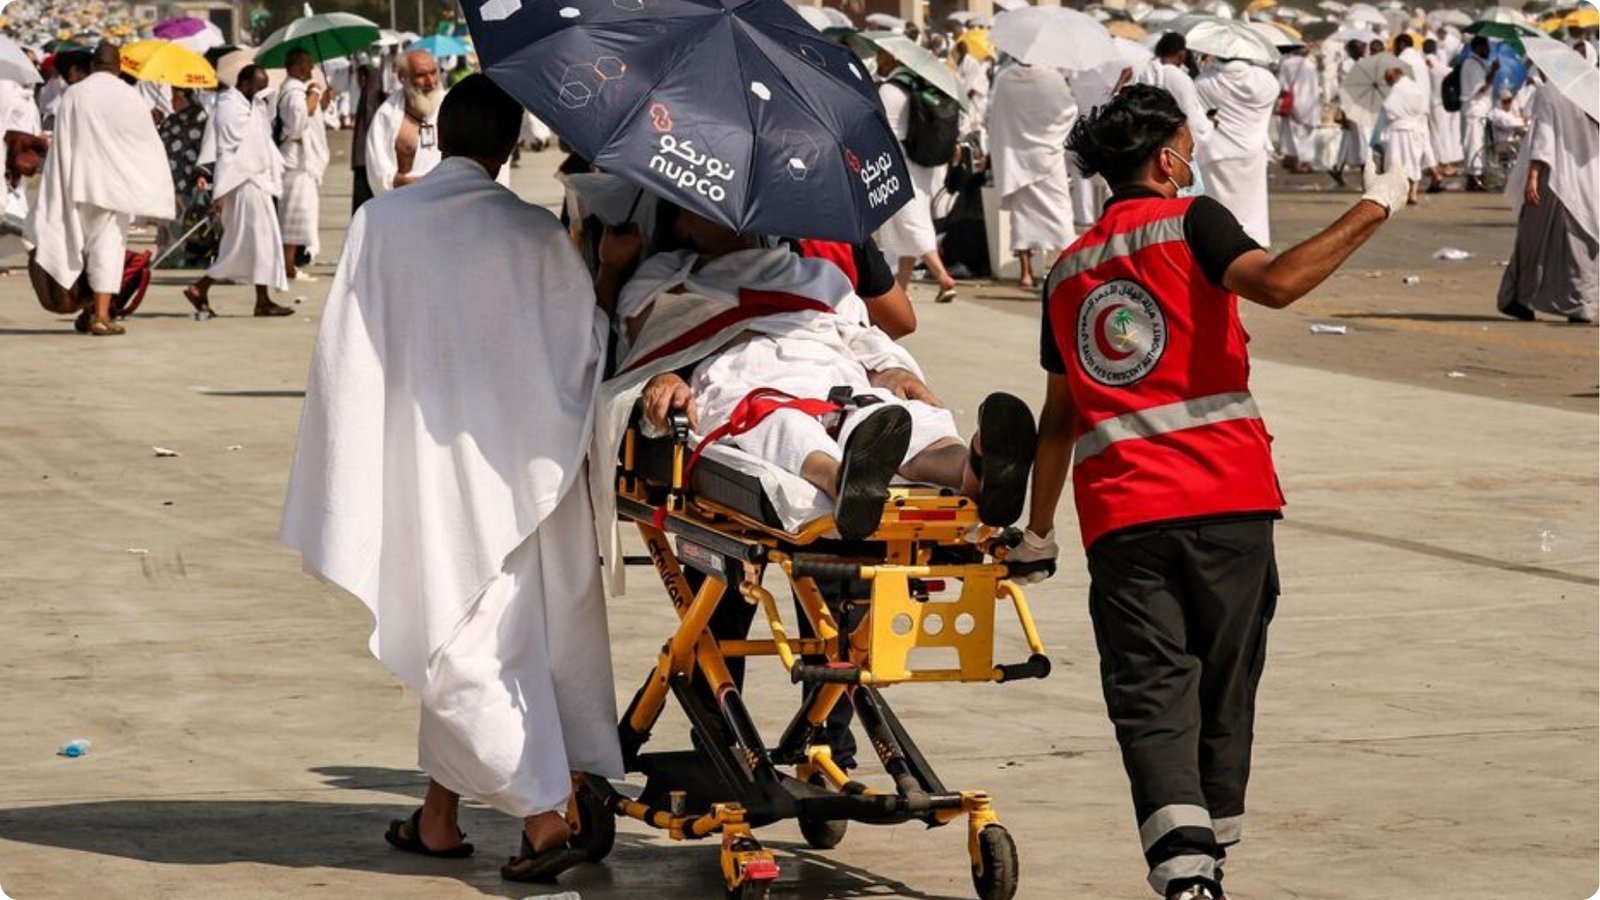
pixel 1297 78
pixel 1405 132
pixel 1167 70
pixel 302 108
pixel 1233 162
pixel 1478 72
pixel 439 477
pixel 249 175
pixel 105 166
pixel 1030 116
pixel 402 141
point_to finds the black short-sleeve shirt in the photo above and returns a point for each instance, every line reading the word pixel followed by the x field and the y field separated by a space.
pixel 1215 237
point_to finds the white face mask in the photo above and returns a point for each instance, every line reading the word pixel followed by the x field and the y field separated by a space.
pixel 1196 186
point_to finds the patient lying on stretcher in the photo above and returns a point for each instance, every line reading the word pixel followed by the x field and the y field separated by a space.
pixel 779 333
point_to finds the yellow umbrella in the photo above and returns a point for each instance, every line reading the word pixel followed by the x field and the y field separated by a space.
pixel 1122 28
pixel 167 63
pixel 1585 16
pixel 1259 5
pixel 977 43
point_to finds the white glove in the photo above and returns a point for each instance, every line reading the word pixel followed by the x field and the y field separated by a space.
pixel 1388 190
pixel 1035 549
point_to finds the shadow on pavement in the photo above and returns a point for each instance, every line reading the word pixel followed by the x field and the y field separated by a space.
pixel 349 836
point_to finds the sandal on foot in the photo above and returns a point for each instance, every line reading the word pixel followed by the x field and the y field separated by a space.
pixel 273 309
pixel 406 834
pixel 1009 438
pixel 105 329
pixel 948 295
pixel 872 455
pixel 531 865
pixel 202 306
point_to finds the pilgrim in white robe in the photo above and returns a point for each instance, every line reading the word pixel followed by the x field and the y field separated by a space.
pixel 1233 161
pixel 1355 132
pixel 1089 90
pixel 1030 115
pixel 106 165
pixel 1298 130
pixel 249 174
pixel 1175 80
pixel 383 160
pixel 974 78
pixel 305 161
pixel 1477 100
pixel 1405 130
pixel 18 112
pixel 909 232
pixel 1444 126
pixel 1553 266
pixel 439 477
pixel 803 353
pixel 49 98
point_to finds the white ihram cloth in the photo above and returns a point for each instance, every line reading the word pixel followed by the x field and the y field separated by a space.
pixel 909 232
pixel 1298 130
pixel 805 352
pixel 1405 131
pixel 249 174
pixel 1477 99
pixel 305 161
pixel 106 165
pixel 1030 115
pixel 438 477
pixel 1554 266
pixel 383 161
pixel 1176 81
pixel 974 78
pixel 18 112
pixel 1444 127
pixel 1233 160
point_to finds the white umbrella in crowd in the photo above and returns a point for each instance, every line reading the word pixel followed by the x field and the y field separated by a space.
pixel 15 65
pixel 1224 39
pixel 1053 36
pixel 919 60
pixel 1364 85
pixel 1569 74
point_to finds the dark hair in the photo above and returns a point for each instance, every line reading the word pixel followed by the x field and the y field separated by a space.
pixel 1170 43
pixel 1403 41
pixel 107 57
pixel 247 75
pixel 73 60
pixel 1430 46
pixel 1355 49
pixel 294 56
pixel 1117 139
pixel 479 120
pixel 1479 40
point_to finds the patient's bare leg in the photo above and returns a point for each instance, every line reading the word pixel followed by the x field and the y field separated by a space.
pixel 822 471
pixel 945 463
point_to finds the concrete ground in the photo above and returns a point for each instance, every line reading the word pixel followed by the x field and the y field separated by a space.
pixel 1427 727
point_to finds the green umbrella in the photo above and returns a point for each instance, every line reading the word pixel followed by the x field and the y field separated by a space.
pixel 1509 32
pixel 324 36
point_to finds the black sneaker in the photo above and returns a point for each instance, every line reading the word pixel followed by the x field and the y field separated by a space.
pixel 872 455
pixel 1517 311
pixel 1009 438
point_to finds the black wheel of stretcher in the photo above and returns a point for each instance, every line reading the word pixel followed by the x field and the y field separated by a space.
pixel 595 831
pixel 750 890
pixel 996 879
pixel 822 834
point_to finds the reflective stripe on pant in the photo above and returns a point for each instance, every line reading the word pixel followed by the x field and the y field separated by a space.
pixel 1180 619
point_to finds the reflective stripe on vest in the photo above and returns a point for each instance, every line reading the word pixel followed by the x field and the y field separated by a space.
pixel 1121 244
pixel 1156 420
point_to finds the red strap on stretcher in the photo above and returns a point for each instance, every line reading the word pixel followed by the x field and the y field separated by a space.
pixel 751 411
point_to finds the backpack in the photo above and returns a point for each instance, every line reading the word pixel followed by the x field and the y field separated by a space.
pixel 935 121
pixel 1450 90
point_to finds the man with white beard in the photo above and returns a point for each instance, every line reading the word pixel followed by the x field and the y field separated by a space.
pixel 477 554
pixel 1444 126
pixel 1405 130
pixel 1030 116
pixel 1233 163
pixel 302 107
pixel 1167 71
pixel 106 165
pixel 249 174
pixel 1301 104
pixel 402 141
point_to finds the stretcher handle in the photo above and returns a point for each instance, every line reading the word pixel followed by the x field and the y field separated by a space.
pixel 1020 569
pixel 1037 666
pixel 803 673
pixel 825 570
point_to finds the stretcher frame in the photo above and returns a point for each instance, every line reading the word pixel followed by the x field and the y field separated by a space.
pixel 927 535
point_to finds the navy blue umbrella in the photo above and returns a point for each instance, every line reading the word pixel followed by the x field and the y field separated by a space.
pixel 736 109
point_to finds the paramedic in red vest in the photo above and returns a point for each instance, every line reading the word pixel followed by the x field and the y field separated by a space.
pixel 1149 400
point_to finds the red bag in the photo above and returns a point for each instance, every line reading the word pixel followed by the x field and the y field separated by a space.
pixel 1285 103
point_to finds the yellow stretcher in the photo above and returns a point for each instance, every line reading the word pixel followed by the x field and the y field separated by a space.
pixel 728 537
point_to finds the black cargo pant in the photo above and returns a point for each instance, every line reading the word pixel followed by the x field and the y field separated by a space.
pixel 1180 616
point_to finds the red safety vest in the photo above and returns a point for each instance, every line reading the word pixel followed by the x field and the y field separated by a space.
pixel 1155 354
pixel 839 253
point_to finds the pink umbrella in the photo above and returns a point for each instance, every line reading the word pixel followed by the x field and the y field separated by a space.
pixel 178 27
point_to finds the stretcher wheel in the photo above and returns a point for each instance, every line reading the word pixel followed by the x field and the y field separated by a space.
pixel 750 890
pixel 822 834
pixel 996 879
pixel 595 829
